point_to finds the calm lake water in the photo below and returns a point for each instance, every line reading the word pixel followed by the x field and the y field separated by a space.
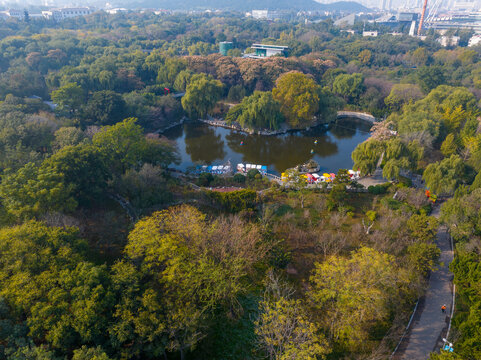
pixel 201 144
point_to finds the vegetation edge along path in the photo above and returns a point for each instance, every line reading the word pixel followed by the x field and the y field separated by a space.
pixel 431 323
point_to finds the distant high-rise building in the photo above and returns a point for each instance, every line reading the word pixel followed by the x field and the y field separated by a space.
pixel 386 5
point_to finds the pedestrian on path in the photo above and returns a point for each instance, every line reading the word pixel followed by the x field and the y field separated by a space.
pixel 443 308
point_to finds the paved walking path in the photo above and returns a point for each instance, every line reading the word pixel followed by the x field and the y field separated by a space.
pixel 430 327
pixel 375 179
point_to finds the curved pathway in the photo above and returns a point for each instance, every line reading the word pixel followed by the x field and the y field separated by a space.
pixel 430 324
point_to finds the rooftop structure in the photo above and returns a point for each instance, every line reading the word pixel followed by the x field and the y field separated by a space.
pixel 346 21
pixel 470 20
pixel 116 11
pixel 396 19
pixel 448 40
pixel 65 13
pixel 12 13
pixel 474 40
pixel 263 51
pixel 265 14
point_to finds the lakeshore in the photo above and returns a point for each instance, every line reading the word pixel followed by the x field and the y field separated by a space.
pixel 266 132
pixel 199 143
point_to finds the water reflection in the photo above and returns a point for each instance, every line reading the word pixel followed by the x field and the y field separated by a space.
pixel 346 128
pixel 281 152
pixel 200 143
pixel 203 144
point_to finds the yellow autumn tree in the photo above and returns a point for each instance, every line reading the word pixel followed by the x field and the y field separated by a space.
pixel 298 95
pixel 355 293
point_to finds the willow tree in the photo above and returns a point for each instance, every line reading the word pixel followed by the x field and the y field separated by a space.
pixel 259 110
pixel 399 156
pixel 443 177
pixel 201 95
pixel 366 156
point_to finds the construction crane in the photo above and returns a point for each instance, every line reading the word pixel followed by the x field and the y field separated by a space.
pixel 422 17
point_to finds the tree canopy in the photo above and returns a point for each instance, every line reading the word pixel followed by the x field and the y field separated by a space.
pixel 298 96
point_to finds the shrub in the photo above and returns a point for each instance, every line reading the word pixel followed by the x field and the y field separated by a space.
pixel 205 179
pixel 239 178
pixel 404 182
pixel 236 201
pixel 377 189
pixel 251 174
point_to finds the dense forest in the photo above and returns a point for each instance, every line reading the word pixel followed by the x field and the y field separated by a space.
pixel 106 254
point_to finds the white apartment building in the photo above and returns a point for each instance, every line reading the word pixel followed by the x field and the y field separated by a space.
pixel 265 14
pixel 448 40
pixel 12 13
pixel 475 40
pixel 65 13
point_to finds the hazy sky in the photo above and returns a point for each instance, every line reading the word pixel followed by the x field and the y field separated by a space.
pixel 395 4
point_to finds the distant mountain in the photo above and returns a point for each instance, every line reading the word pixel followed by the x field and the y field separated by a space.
pixel 246 5
pixel 345 6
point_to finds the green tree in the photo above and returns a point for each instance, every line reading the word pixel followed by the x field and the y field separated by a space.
pixel 75 306
pixel 423 257
pixel 66 136
pixel 32 352
pixel 201 95
pixel 402 94
pixel 476 183
pixel 299 98
pixel 139 327
pixel 430 77
pixel 32 191
pixel 462 215
pixel 454 118
pixel 104 108
pixel 353 294
pixel 365 57
pixel 68 97
pixel 170 69
pixel 443 177
pixel 124 146
pixel 366 155
pixel 85 353
pixel 236 93
pixel 422 228
pixel 445 355
pixel 197 267
pixel 400 156
pixel 84 167
pixel 342 177
pixel 420 56
pixel 421 123
pixel 182 80
pixel 297 181
pixel 285 332
pixel 449 146
pixel 349 86
pixel 257 111
pixel 29 251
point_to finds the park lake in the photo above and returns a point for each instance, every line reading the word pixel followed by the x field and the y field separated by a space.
pixel 202 144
